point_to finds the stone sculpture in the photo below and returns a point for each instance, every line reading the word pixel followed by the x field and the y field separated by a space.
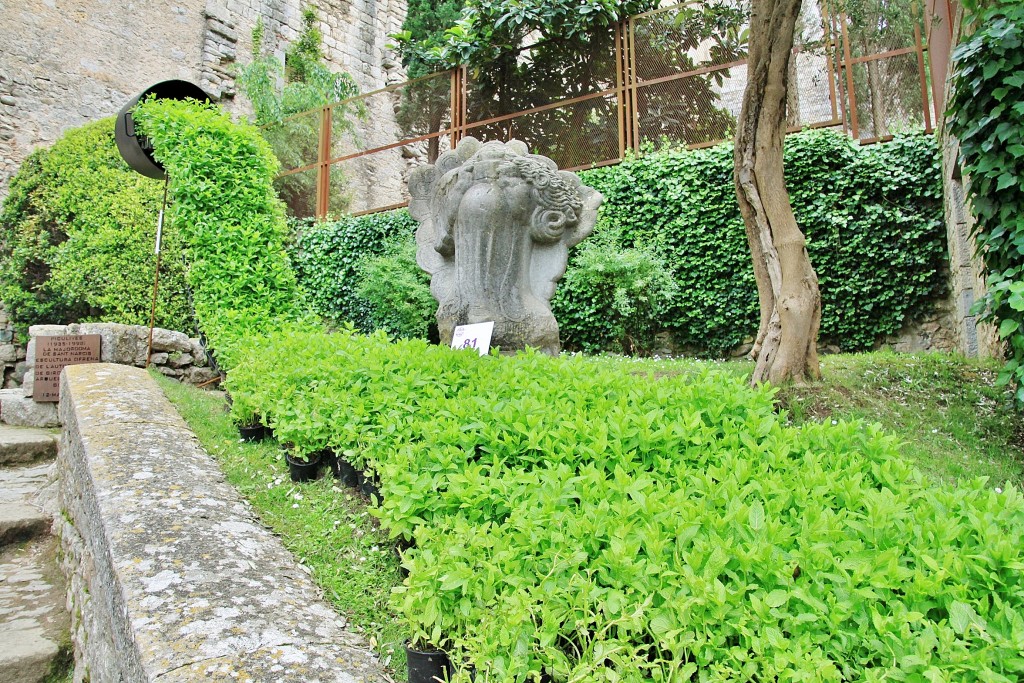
pixel 496 224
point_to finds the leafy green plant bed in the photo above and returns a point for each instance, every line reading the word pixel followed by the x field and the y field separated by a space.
pixel 592 519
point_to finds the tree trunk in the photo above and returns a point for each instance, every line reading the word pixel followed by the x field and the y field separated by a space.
pixel 877 95
pixel 787 286
pixel 793 85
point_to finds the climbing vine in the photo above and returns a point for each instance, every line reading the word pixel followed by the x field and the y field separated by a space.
pixel 987 117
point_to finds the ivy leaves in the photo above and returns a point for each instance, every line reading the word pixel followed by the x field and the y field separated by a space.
pixel 326 257
pixel 872 216
pixel 986 114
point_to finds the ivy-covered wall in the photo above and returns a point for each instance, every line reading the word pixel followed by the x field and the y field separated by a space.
pixel 986 124
pixel 872 216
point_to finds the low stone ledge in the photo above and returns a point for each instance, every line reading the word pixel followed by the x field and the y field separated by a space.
pixel 171 577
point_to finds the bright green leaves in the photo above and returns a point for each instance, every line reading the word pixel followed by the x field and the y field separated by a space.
pixel 225 209
pixel 575 519
pixel 872 215
pixel 987 117
pixel 77 235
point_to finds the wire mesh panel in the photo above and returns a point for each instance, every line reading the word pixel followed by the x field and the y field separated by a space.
pixel 578 134
pixel 878 26
pixel 379 179
pixel 887 96
pixel 882 62
pixel 812 97
pixel 424 107
pixel 693 110
pixel 813 90
pixel 672 76
pixel 688 68
pixel 296 140
pixel 541 75
pixel 686 38
pixel 413 109
pixel 298 191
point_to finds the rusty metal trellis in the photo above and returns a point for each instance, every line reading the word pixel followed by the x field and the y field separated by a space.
pixel 668 76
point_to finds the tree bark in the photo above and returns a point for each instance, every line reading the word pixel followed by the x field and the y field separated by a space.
pixel 787 285
pixel 877 95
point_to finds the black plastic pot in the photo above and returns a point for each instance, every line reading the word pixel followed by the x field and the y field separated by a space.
pixel 303 470
pixel 427 666
pixel 252 432
pixel 344 472
pixel 135 149
pixel 368 487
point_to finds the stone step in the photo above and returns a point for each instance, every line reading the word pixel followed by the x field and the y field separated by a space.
pixel 22 445
pixel 19 411
pixel 34 623
pixel 22 514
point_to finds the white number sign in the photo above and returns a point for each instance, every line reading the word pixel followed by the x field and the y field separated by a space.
pixel 476 336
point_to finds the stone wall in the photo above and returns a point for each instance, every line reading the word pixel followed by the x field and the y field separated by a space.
pixel 966 281
pixel 174 353
pixel 171 576
pixel 64 64
pixel 77 62
pixel 12 354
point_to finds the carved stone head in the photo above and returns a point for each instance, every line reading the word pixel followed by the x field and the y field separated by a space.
pixel 496 224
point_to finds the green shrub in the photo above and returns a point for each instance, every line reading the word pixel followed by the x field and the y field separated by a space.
pixel 872 216
pixel 326 255
pixel 612 298
pixel 397 291
pixel 77 234
pixel 224 208
pixel 577 521
pixel 987 117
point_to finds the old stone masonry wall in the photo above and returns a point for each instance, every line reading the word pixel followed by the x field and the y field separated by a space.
pixel 67 62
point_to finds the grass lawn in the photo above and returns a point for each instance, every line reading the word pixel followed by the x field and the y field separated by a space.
pixel 954 424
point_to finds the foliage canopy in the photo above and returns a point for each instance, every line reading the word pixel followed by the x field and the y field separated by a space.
pixel 224 208
pixel 76 238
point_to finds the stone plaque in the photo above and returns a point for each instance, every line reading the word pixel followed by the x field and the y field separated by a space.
pixel 53 353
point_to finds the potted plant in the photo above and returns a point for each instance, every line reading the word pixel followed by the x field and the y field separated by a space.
pixel 343 469
pixel 426 664
pixel 302 466
pixel 251 428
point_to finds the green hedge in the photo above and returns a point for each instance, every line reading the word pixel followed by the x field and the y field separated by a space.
pixel 326 258
pixel 872 216
pixel 76 238
pixel 574 520
pixel 224 207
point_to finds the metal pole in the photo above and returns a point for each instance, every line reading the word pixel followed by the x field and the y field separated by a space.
pixel 156 273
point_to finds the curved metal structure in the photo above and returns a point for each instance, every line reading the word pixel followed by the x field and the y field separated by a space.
pixel 136 149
